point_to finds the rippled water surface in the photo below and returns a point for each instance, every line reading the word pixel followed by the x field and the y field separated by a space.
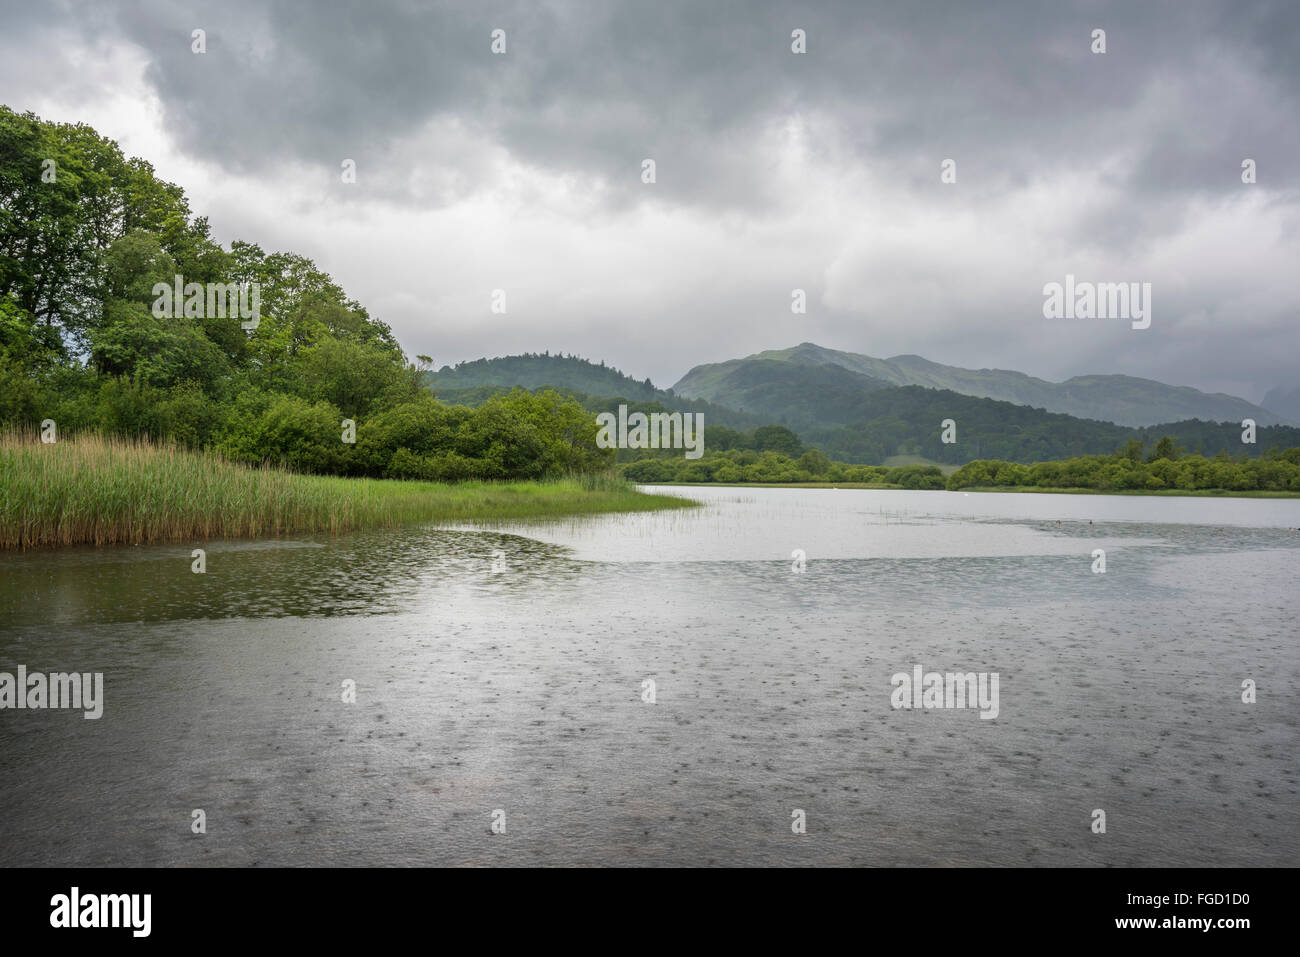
pixel 521 690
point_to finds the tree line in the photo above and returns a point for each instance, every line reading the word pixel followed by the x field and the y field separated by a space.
pixel 742 465
pixel 1165 467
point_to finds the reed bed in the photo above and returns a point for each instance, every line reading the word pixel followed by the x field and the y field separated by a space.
pixel 103 490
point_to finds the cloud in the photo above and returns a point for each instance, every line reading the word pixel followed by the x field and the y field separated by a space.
pixel 775 170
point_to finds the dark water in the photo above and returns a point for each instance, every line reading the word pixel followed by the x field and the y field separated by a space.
pixel 521 690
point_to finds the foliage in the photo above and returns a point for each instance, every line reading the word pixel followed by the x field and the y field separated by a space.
pixel 1126 471
pixel 734 466
pixel 81 250
pixel 907 420
pixel 715 416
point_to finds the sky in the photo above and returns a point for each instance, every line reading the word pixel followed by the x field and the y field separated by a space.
pixel 774 170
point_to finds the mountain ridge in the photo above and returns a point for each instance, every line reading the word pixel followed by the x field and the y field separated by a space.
pixel 848 415
pixel 1108 397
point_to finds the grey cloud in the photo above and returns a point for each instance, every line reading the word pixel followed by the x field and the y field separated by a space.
pixel 1008 89
pixel 592 88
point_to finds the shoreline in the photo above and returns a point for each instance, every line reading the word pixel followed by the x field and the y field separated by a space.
pixel 1034 489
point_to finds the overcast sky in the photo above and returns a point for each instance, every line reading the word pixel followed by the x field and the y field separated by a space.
pixel 775 170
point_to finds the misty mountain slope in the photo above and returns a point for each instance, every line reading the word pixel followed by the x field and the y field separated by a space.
pixel 793 395
pixel 1124 400
pixel 1284 401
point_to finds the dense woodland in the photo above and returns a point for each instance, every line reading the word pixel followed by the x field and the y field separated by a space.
pixel 905 420
pixel 600 402
pixel 83 240
pixel 533 369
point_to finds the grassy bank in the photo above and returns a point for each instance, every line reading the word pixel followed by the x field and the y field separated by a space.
pixel 106 491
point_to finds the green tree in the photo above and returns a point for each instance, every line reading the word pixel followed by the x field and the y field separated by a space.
pixel 777 438
pixel 157 352
pixel 291 431
pixel 1167 449
pixel 1132 450
pixel 814 462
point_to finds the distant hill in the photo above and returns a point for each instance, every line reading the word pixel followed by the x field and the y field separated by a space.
pixel 533 370
pixel 1124 400
pixel 905 420
pixel 473 383
pixel 1284 402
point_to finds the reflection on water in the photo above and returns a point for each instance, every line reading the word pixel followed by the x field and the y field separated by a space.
pixel 363 574
pixel 522 689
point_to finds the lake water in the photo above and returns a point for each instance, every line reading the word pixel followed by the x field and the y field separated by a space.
pixel 521 690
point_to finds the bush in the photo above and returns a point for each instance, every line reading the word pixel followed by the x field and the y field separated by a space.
pixel 650 471
pixel 306 437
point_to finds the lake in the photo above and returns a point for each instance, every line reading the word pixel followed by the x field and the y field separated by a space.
pixel 521 695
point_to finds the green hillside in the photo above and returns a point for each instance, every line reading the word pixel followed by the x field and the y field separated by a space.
pixel 714 415
pixel 596 386
pixel 535 370
pixel 799 397
pixel 907 421
pixel 1124 400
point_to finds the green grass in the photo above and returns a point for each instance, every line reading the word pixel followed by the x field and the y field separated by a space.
pixel 104 491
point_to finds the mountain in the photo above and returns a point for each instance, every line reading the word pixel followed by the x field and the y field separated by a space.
pixel 1284 402
pixel 794 395
pixel 596 386
pixel 1124 400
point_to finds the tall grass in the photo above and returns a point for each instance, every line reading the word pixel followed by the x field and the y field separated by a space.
pixel 100 490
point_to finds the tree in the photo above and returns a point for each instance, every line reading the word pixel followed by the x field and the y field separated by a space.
pixel 158 352
pixel 777 438
pixel 1165 449
pixel 293 432
pixel 357 378
pixel 814 462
